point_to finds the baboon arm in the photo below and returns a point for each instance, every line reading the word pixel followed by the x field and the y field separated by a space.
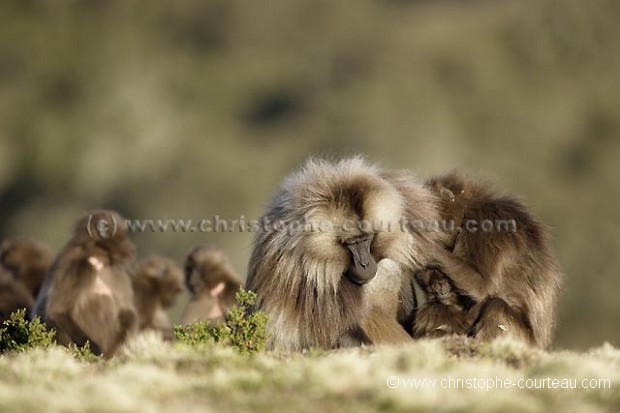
pixel 354 338
pixel 381 328
pixel 128 321
pixel 465 277
pixel 69 332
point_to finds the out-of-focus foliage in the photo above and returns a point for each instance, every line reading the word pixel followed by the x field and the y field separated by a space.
pixel 191 109
pixel 200 333
pixel 248 329
pixel 84 353
pixel 244 330
pixel 19 334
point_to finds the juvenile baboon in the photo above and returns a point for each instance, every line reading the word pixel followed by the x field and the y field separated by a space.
pixel 87 293
pixel 501 258
pixel 212 282
pixel 13 295
pixel 27 260
pixel 445 311
pixel 317 264
pixel 157 282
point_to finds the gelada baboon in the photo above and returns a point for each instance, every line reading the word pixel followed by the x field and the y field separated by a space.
pixel 27 260
pixel 445 311
pixel 212 283
pixel 87 293
pixel 157 282
pixel 501 258
pixel 334 256
pixel 13 295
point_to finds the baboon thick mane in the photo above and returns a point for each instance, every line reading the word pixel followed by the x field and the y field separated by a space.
pixel 298 261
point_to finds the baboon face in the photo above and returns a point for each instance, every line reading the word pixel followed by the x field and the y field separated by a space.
pixel 439 286
pixel 436 284
pixel 354 228
pixel 362 264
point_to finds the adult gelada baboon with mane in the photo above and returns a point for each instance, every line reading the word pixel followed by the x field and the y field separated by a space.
pixel 333 262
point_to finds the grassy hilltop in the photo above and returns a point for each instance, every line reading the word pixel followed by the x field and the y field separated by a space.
pixel 153 376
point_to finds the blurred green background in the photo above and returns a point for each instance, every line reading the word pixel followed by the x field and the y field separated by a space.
pixel 191 109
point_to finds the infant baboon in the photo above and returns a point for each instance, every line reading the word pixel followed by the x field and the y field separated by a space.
pixel 87 293
pixel 13 295
pixel 27 260
pixel 317 264
pixel 501 258
pixel 156 282
pixel 212 282
pixel 445 310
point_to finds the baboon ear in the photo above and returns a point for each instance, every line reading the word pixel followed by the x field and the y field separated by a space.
pixel 217 290
pixel 446 194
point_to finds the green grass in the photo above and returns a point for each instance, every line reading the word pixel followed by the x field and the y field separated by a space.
pixel 153 376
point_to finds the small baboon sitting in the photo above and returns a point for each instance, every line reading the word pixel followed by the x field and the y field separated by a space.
pixel 156 282
pixel 445 310
pixel 212 282
pixel 87 295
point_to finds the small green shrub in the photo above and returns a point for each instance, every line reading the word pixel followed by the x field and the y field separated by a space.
pixel 248 330
pixel 243 329
pixel 201 332
pixel 84 353
pixel 19 334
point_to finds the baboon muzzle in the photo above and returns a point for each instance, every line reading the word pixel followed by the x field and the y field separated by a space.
pixel 363 267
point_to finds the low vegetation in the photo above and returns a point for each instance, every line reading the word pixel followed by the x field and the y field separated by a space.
pixel 19 334
pixel 242 330
pixel 210 368
pixel 151 375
